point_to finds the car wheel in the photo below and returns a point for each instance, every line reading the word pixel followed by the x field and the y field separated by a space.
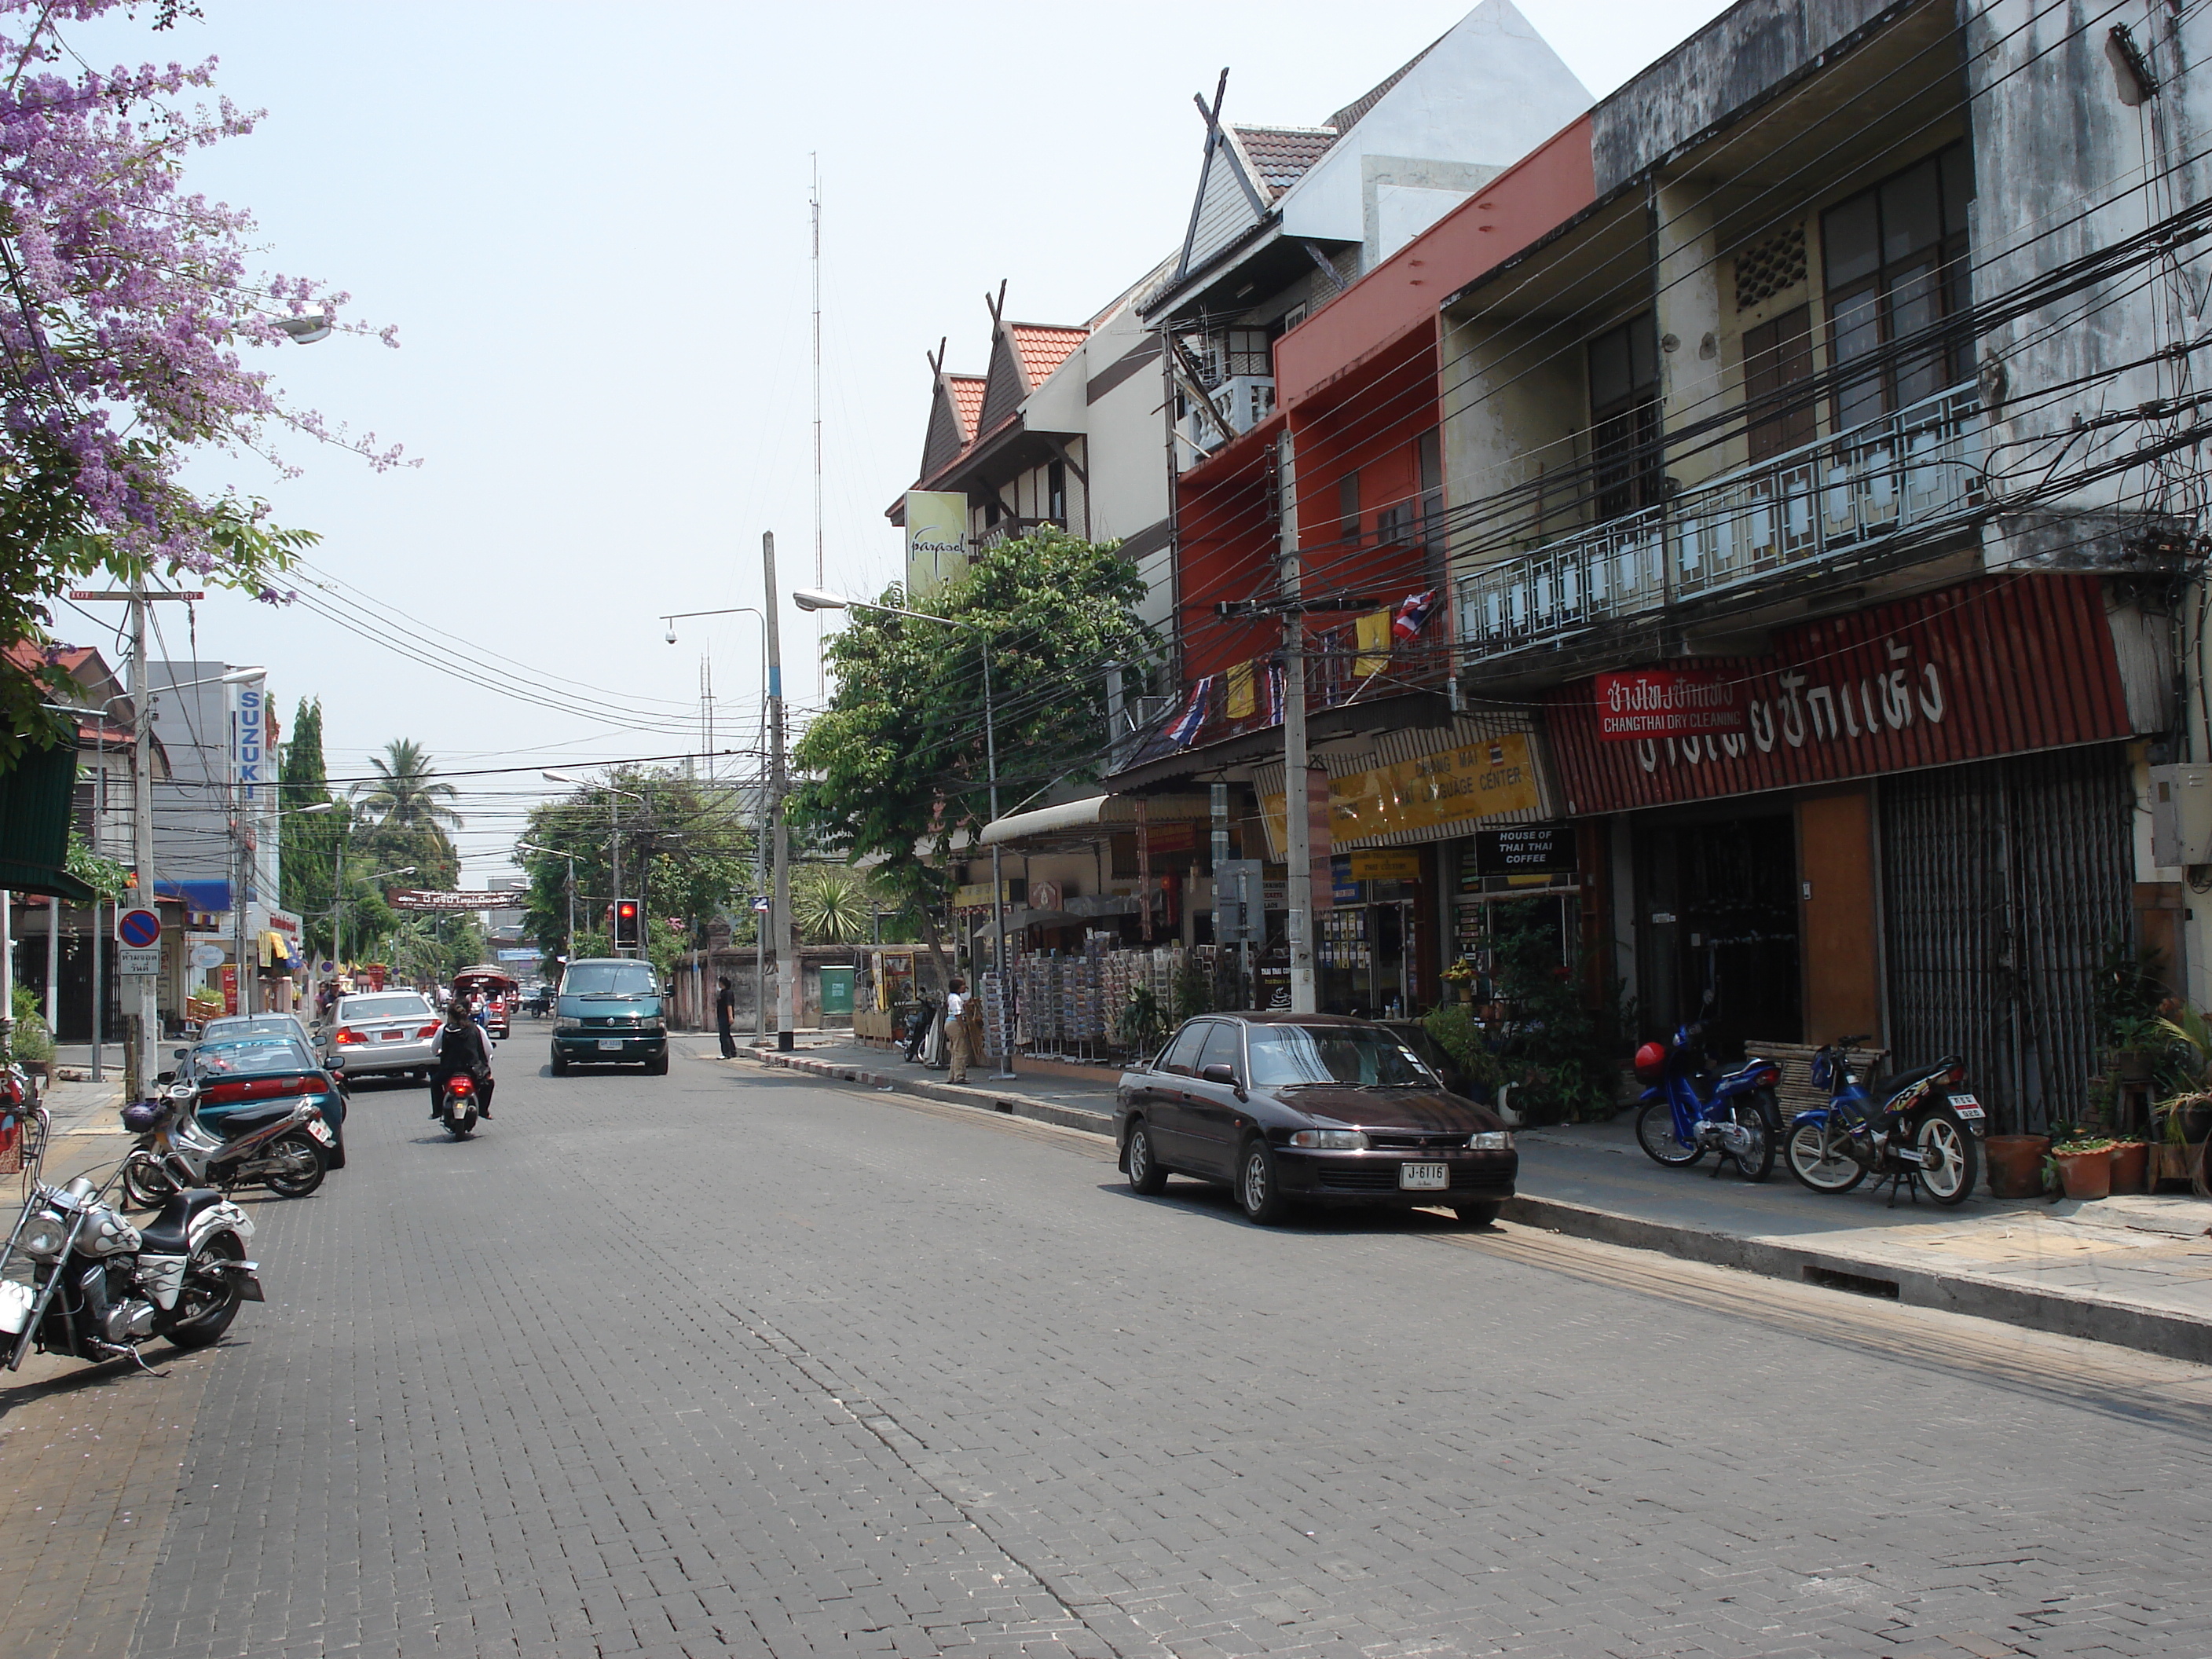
pixel 560 1066
pixel 1477 1215
pixel 658 1066
pixel 1257 1189
pixel 1146 1177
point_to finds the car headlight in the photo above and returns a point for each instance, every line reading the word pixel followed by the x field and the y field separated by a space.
pixel 567 1027
pixel 1331 1140
pixel 1491 1141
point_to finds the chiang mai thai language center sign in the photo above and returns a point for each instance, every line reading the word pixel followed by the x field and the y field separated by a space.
pixel 2000 665
pixel 1667 702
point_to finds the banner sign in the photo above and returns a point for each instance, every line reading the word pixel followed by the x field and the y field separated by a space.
pixel 248 742
pixel 1477 779
pixel 516 956
pixel 1999 665
pixel 1667 702
pixel 936 540
pixel 417 898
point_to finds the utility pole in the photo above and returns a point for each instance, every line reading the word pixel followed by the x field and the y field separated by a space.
pixel 786 950
pixel 1297 827
pixel 138 1058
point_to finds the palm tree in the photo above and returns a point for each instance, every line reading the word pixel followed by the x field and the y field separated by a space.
pixel 406 793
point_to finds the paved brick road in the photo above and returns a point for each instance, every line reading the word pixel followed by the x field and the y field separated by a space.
pixel 727 1362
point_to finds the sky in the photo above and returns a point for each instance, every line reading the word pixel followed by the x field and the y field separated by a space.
pixel 590 227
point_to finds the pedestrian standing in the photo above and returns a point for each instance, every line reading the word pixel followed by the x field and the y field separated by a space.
pixel 960 1031
pixel 726 1013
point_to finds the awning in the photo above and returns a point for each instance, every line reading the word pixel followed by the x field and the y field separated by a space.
pixel 1072 818
pixel 207 897
pixel 35 825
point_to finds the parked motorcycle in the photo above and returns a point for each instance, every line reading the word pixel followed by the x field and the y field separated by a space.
pixel 457 1107
pixel 98 1285
pixel 1919 1128
pixel 1689 1111
pixel 285 1148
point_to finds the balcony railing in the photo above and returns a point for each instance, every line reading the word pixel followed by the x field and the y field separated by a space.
pixel 1913 470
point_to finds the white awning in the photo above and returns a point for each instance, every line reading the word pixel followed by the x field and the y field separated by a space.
pixel 1072 818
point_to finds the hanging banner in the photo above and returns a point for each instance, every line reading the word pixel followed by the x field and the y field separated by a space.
pixel 2001 665
pixel 417 898
pixel 936 540
pixel 1471 781
pixel 1667 702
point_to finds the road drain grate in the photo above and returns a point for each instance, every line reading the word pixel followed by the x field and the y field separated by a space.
pixel 1857 1284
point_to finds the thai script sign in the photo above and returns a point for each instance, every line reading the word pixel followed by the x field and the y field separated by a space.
pixel 1999 665
pixel 1666 702
pixel 418 898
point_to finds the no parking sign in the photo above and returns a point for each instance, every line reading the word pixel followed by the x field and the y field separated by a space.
pixel 138 932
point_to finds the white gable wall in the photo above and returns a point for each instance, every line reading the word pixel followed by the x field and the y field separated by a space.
pixel 1486 95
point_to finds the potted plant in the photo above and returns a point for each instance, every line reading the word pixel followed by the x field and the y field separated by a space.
pixel 1461 978
pixel 2085 1164
pixel 2184 1116
pixel 2016 1164
pixel 33 1047
pixel 2130 1165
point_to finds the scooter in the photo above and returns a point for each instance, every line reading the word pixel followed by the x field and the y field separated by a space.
pixel 283 1147
pixel 457 1106
pixel 1688 1111
pixel 1917 1128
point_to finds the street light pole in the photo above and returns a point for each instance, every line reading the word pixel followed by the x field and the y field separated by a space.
pixel 816 599
pixel 786 943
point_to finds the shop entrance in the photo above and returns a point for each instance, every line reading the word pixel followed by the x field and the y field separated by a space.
pixel 1363 952
pixel 1720 908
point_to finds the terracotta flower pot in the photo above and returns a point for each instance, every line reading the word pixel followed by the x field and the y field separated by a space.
pixel 2131 1167
pixel 2016 1164
pixel 2085 1175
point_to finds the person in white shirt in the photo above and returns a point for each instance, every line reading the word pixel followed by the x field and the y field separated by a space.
pixel 959 1031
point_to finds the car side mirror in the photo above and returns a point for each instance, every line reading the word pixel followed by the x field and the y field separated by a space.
pixel 177 1054
pixel 164 1077
pixel 1224 1075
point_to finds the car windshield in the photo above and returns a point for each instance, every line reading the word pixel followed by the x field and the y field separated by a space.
pixel 608 979
pixel 248 1025
pixel 250 1057
pixel 1286 1055
pixel 399 1005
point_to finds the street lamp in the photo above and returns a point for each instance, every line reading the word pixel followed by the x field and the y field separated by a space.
pixel 814 598
pixel 614 838
pixel 532 847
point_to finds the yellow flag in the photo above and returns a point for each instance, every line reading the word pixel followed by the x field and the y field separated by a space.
pixel 1240 691
pixel 1374 645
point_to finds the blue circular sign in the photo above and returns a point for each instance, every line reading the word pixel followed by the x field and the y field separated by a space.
pixel 138 928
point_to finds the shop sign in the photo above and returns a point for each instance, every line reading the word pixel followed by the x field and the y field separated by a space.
pixel 2001 665
pixel 1345 887
pixel 1477 779
pixel 1667 702
pixel 1525 849
pixel 976 895
pixel 936 540
pixel 1043 894
pixel 1390 865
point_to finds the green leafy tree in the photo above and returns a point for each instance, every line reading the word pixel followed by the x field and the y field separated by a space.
pixel 897 763
pixel 308 845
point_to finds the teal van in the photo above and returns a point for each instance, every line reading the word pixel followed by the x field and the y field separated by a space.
pixel 610 1012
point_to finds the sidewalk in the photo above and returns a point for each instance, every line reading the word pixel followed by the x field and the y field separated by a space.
pixel 2136 1271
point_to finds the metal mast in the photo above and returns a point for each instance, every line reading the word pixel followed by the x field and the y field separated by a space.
pixel 821 574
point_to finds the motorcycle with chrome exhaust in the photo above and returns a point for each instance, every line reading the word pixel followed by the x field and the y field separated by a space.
pixel 1689 1110
pixel 78 1279
pixel 285 1147
pixel 1920 1128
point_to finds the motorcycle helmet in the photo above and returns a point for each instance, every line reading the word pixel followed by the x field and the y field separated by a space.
pixel 142 1117
pixel 1651 1061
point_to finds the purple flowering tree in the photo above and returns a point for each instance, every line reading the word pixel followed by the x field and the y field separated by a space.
pixel 128 309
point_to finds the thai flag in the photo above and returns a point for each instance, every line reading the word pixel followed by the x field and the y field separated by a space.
pixel 1184 731
pixel 1413 615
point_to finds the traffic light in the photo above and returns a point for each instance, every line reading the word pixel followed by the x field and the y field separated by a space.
pixel 625 924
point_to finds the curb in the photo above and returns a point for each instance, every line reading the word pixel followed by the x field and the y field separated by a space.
pixel 2097 1318
pixel 1041 1111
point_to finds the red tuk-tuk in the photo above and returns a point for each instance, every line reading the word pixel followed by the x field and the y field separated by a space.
pixel 498 988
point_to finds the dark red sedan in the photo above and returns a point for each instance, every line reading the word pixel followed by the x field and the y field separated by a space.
pixel 1309 1109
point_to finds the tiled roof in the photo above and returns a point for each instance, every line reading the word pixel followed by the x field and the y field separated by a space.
pixel 1280 155
pixel 1343 120
pixel 967 402
pixel 1044 347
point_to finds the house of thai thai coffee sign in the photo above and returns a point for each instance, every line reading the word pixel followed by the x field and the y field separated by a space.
pixel 2001 665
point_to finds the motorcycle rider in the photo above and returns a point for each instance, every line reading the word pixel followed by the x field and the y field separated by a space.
pixel 463 1051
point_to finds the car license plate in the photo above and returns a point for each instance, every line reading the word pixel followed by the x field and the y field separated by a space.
pixel 610 1042
pixel 1424 1177
pixel 390 1036
pixel 322 1133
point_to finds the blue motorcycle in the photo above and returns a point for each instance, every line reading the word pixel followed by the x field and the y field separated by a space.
pixel 1689 1111
pixel 1916 1128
